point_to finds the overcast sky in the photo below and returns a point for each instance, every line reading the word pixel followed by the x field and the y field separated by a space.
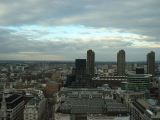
pixel 66 29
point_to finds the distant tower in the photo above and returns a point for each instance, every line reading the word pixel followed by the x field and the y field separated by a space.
pixel 90 63
pixel 151 63
pixel 121 62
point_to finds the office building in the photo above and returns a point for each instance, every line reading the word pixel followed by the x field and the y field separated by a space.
pixel 139 70
pixel 121 62
pixel 145 109
pixel 90 63
pixel 159 88
pixel 80 69
pixel 151 63
pixel 11 106
pixel 137 82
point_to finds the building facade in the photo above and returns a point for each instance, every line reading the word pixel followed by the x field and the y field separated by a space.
pixel 137 82
pixel 80 66
pixel 151 63
pixel 141 109
pixel 90 63
pixel 34 109
pixel 121 62
pixel 11 107
pixel 112 81
pixel 91 101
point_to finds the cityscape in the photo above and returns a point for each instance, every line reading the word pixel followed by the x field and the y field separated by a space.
pixel 80 90
pixel 79 60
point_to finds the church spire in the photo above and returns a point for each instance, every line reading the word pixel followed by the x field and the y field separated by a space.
pixel 3 110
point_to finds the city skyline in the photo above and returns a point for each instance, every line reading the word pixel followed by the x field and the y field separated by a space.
pixel 65 30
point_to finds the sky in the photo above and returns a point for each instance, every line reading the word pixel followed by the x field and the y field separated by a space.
pixel 63 30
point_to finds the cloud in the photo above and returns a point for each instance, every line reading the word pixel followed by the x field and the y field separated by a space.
pixel 66 42
pixel 30 56
pixel 68 28
pixel 141 17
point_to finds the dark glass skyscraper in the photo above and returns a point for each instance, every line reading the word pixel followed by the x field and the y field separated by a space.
pixel 121 62
pixel 80 69
pixel 90 63
pixel 151 63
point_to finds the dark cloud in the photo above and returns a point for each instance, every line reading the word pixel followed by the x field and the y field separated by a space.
pixel 138 16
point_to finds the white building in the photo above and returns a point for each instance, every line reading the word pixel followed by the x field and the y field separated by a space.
pixel 34 109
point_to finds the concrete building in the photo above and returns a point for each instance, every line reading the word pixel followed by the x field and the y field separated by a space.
pixel 34 109
pixel 127 97
pixel 11 106
pixel 90 63
pixel 121 62
pixel 145 109
pixel 151 63
pixel 60 116
pixel 112 81
pixel 81 102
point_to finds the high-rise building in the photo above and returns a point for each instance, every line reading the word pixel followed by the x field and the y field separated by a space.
pixel 80 65
pixel 90 63
pixel 151 63
pixel 121 62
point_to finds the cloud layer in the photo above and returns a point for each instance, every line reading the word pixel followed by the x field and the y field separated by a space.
pixel 64 30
